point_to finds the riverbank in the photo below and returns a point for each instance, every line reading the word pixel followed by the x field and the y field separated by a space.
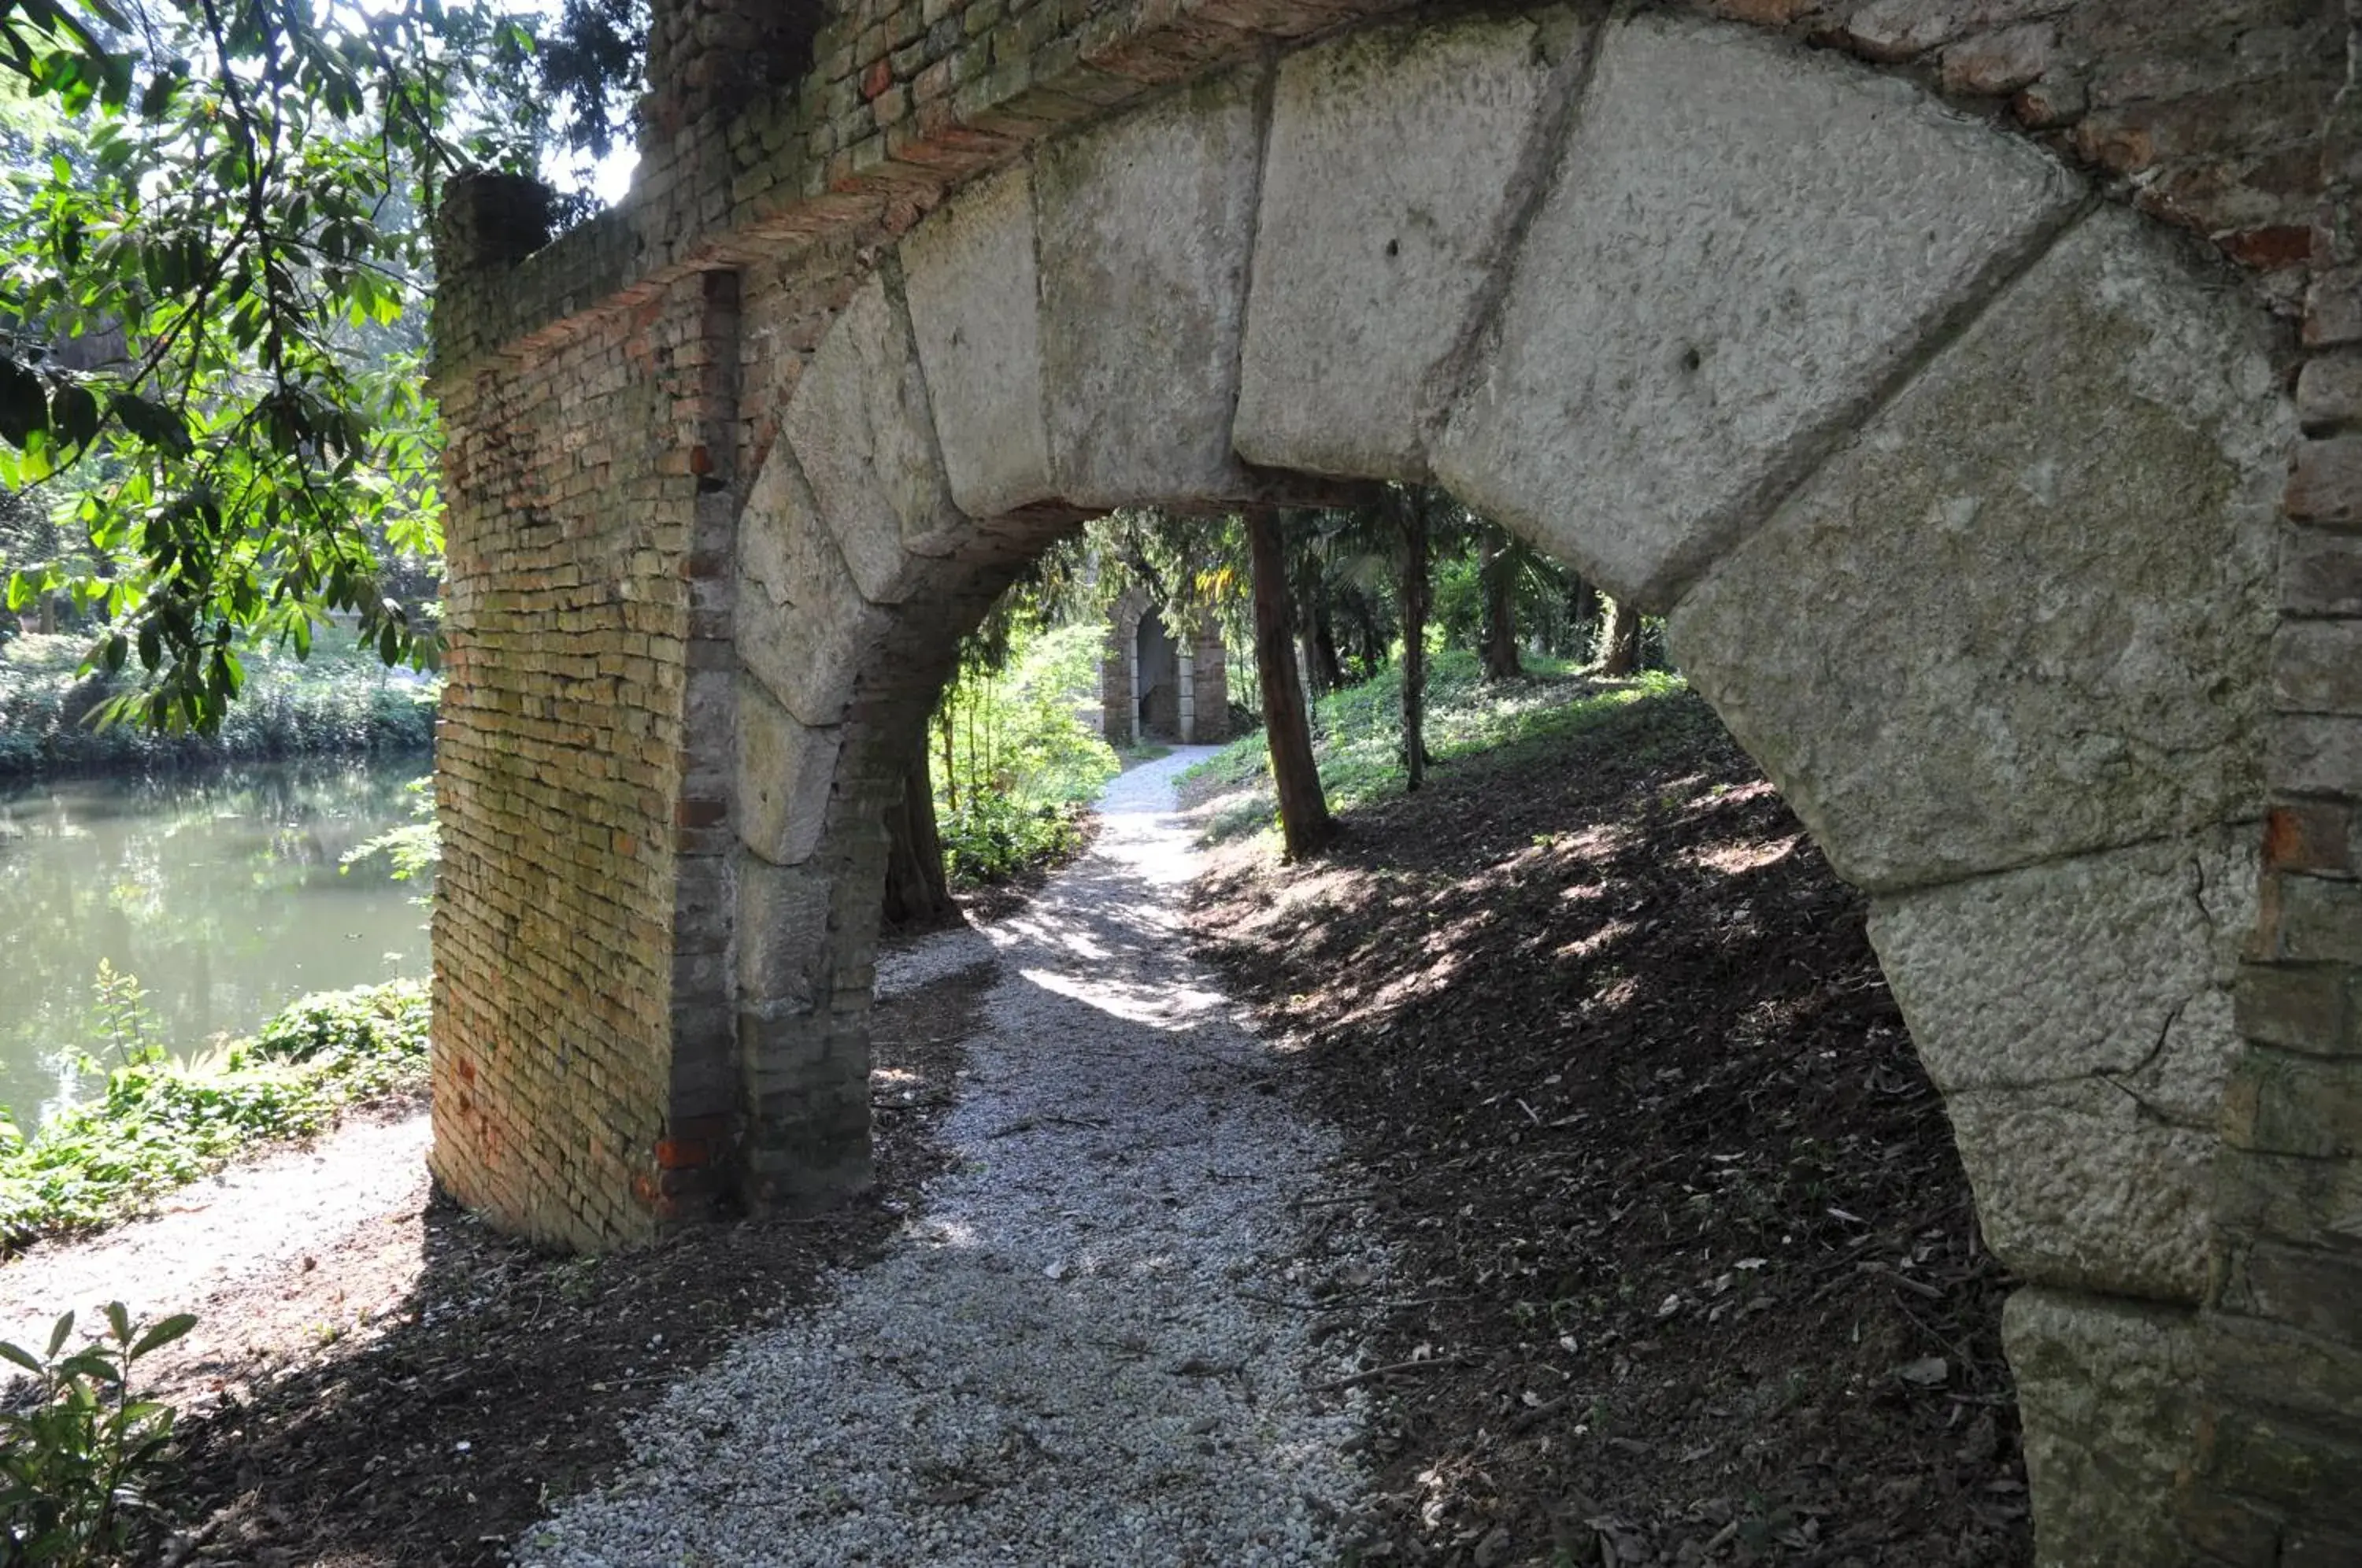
pixel 338 702
pixel 161 1123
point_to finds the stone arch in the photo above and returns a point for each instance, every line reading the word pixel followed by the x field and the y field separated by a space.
pixel 1960 487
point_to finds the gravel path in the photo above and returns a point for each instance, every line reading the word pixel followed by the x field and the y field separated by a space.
pixel 1083 1352
pixel 212 1238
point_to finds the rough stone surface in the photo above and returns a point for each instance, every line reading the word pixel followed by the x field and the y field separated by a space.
pixel 785 768
pixel 2074 1188
pixel 2081 968
pixel 860 428
pixel 1393 159
pixel 2077 1017
pixel 2107 1390
pixel 1145 226
pixel 975 310
pixel 803 622
pixel 1743 246
pixel 2026 612
pixel 782 930
pixel 2321 573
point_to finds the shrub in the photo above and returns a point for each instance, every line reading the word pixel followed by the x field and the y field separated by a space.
pixel 77 1459
pixel 991 838
pixel 346 702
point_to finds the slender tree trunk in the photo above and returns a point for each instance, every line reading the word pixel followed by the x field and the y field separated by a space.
pixel 950 762
pixel 1305 825
pixel 1583 604
pixel 1501 660
pixel 1372 653
pixel 1415 590
pixel 1308 659
pixel 917 893
pixel 1619 643
pixel 1332 676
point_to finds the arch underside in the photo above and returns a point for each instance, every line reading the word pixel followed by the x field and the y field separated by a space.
pixel 1960 489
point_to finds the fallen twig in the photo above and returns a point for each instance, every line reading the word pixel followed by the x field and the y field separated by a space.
pixel 1430 1363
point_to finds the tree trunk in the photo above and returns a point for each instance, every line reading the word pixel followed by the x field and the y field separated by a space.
pixel 916 892
pixel 1305 825
pixel 1582 603
pixel 1501 660
pixel 1308 659
pixel 944 722
pixel 1620 642
pixel 1331 672
pixel 1414 594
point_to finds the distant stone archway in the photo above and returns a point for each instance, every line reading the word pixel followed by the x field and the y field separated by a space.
pixel 1181 693
pixel 1962 490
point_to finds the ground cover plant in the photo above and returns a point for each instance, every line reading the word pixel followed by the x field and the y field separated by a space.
pixel 1357 732
pixel 1686 1266
pixel 159 1122
pixel 342 702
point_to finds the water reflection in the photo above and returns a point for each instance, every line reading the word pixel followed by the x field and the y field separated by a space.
pixel 220 890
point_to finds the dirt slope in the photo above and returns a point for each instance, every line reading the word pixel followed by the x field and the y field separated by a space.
pixel 1678 1213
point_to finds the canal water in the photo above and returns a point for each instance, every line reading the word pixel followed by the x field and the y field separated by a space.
pixel 220 892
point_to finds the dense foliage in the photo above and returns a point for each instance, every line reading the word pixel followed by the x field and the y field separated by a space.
pixel 159 1122
pixel 1015 759
pixel 347 702
pixel 214 219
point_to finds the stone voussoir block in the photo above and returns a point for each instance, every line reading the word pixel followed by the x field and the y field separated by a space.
pixel 786 770
pixel 860 429
pixel 1742 244
pixel 803 627
pixel 2107 1391
pixel 1145 224
pixel 974 311
pixel 1395 160
pixel 2026 612
pixel 2078 1016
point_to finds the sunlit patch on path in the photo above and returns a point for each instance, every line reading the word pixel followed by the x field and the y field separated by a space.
pixel 1092 1345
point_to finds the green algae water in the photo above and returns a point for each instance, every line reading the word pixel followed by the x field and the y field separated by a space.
pixel 219 890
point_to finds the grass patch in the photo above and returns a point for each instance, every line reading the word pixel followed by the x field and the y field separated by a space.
pixel 1357 734
pixel 162 1123
pixel 345 702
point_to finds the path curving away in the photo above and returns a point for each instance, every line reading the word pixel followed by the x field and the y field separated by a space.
pixel 1091 1346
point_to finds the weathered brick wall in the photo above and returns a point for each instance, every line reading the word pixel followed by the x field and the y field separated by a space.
pixel 1210 693
pixel 582 1031
pixel 2279 1454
